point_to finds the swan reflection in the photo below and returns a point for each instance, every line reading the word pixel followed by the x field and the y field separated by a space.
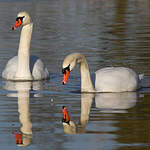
pixel 116 102
pixel 106 102
pixel 23 86
pixel 71 127
pixel 24 137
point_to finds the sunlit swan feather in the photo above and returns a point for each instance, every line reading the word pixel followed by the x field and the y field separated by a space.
pixel 25 67
pixel 109 79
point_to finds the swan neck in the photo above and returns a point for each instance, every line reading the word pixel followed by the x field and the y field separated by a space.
pixel 25 38
pixel 23 70
pixel 86 83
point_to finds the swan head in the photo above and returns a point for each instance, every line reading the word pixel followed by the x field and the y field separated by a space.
pixel 23 18
pixel 69 64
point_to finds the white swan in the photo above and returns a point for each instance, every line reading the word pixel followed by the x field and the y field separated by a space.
pixel 109 79
pixel 25 67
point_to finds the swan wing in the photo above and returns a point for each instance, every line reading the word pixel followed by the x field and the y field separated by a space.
pixel 116 79
pixel 38 69
pixel 10 69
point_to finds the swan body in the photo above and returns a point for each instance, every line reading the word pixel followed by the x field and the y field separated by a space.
pixel 39 71
pixel 116 79
pixel 109 79
pixel 25 67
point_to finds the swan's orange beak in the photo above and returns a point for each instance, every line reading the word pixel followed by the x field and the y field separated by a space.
pixel 66 118
pixel 65 77
pixel 18 23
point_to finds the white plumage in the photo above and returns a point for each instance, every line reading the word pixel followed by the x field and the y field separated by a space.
pixel 116 79
pixel 37 68
pixel 25 67
pixel 109 79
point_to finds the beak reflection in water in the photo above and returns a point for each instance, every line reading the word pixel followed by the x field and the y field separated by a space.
pixel 69 126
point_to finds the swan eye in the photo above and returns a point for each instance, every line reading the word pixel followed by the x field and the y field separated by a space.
pixel 66 68
pixel 20 18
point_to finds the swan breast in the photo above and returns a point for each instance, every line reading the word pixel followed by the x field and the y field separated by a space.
pixel 37 68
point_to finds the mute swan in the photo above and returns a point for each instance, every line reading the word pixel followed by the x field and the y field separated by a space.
pixel 109 79
pixel 25 67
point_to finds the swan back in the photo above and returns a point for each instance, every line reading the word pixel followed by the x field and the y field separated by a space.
pixel 116 79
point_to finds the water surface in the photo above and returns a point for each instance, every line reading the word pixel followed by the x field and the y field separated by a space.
pixel 108 33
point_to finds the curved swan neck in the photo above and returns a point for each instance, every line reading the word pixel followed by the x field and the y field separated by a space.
pixel 86 83
pixel 23 71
